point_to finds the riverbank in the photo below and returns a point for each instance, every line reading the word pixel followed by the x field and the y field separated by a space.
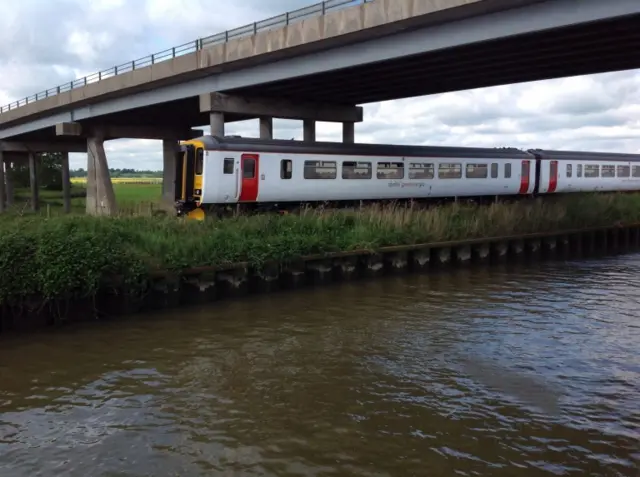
pixel 114 265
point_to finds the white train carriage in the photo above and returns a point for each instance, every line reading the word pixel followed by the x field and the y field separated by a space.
pixel 215 171
pixel 568 171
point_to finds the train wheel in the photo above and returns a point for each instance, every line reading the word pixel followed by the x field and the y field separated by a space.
pixel 196 214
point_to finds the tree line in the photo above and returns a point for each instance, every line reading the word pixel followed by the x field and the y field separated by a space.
pixel 119 173
pixel 49 172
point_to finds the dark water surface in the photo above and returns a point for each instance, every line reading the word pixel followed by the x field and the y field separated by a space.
pixel 516 371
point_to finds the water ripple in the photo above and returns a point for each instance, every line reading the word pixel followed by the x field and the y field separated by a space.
pixel 501 371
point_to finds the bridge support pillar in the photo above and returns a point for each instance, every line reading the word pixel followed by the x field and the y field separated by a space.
pixel 348 132
pixel 66 183
pixel 216 121
pixel 266 128
pixel 309 130
pixel 8 179
pixel 101 199
pixel 170 151
pixel 33 179
pixel 2 183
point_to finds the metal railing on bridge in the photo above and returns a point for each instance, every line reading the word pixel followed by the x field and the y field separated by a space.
pixel 191 47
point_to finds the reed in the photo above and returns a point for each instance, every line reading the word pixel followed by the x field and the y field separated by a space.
pixel 73 256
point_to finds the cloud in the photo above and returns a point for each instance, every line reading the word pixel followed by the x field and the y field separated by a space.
pixel 43 44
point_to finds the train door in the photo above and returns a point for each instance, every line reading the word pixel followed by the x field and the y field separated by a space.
pixel 553 176
pixel 249 167
pixel 185 173
pixel 525 173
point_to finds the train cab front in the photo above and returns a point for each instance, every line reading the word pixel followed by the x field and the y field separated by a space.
pixel 189 183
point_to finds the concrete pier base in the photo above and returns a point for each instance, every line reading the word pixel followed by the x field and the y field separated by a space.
pixel 2 184
pixel 33 179
pixel 66 183
pixel 101 199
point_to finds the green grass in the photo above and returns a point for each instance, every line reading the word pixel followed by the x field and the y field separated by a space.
pixel 132 199
pixel 70 256
pixel 135 193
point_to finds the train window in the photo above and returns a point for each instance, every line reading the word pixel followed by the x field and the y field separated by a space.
pixel 477 171
pixel 199 161
pixel 356 170
pixel 624 171
pixel 320 170
pixel 494 170
pixel 507 171
pixel 286 169
pixel 390 170
pixel 569 170
pixel 608 171
pixel 449 171
pixel 421 171
pixel 591 170
pixel 227 165
pixel 579 170
pixel 635 171
pixel 248 168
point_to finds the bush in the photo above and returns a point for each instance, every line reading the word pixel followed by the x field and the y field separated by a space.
pixel 71 257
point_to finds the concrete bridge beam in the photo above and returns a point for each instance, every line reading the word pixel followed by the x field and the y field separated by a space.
pixel 108 132
pixel 43 146
pixel 279 108
pixel 217 104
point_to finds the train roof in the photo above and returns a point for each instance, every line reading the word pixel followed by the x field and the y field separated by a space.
pixel 356 149
pixel 584 156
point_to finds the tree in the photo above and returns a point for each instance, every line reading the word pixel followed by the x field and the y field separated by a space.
pixel 49 168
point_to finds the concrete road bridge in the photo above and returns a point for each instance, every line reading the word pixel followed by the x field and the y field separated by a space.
pixel 314 64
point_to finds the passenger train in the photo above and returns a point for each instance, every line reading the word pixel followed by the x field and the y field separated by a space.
pixel 214 173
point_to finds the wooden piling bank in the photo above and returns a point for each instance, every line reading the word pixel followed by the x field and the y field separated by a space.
pixel 197 286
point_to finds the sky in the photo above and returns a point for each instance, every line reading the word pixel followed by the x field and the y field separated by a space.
pixel 44 44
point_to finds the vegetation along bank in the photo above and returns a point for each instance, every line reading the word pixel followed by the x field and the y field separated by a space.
pixel 74 257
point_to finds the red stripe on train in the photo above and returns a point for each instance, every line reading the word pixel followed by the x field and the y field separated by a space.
pixel 553 176
pixel 524 177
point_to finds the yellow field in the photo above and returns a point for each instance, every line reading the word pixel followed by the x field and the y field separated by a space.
pixel 123 180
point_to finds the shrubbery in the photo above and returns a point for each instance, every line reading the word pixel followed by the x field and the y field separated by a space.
pixel 73 256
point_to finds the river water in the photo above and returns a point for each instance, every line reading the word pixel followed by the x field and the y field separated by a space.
pixel 506 371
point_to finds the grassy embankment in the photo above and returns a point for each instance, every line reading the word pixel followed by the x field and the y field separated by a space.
pixel 70 256
pixel 135 196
